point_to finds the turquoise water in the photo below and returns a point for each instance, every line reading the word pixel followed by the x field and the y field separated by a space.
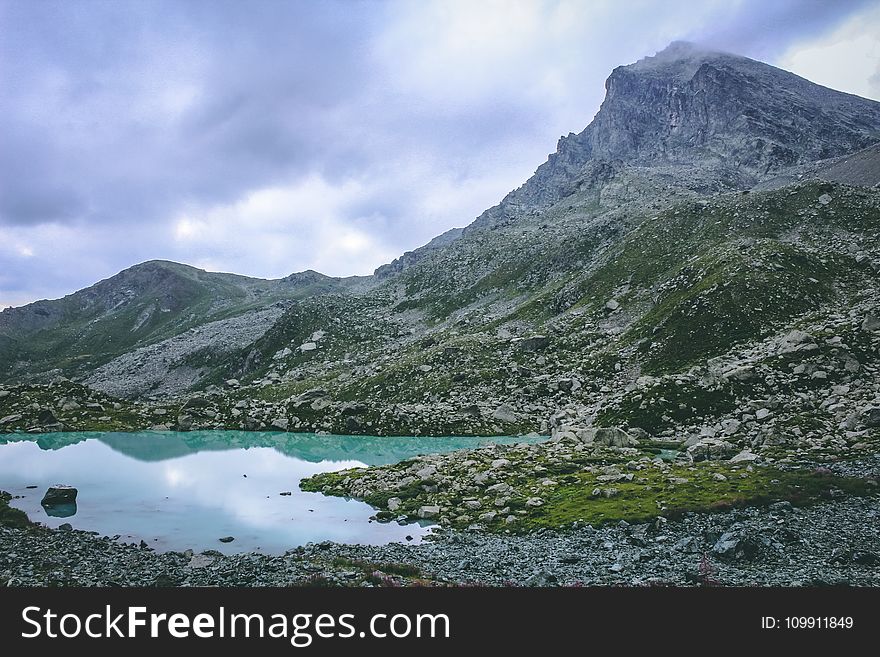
pixel 187 490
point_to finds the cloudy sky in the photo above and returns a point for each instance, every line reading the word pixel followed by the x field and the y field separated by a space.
pixel 270 137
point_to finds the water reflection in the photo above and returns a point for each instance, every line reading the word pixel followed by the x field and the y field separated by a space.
pixel 186 490
pixel 60 510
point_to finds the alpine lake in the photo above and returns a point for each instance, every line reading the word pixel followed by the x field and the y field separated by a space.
pixel 178 491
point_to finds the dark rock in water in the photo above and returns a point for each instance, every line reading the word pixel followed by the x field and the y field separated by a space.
pixel 66 527
pixel 227 539
pixel 286 493
pixel 31 487
pixel 60 494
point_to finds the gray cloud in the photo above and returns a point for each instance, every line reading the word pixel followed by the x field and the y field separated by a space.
pixel 265 137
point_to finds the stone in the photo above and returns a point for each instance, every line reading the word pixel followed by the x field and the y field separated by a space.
pixel 280 424
pixel 282 353
pixel 46 416
pixel 711 449
pixel 744 456
pixel 610 436
pixel 308 346
pixel 232 383
pixel 732 545
pixel 505 413
pixel 393 503
pixel 196 402
pixel 184 422
pixel 429 511
pixel 871 323
pixel 59 494
pixel 744 373
pixel 227 539
pixel 200 561
pixel 730 427
pixel 825 199
pixel 425 368
pixel 611 305
pixel 9 419
pixel 871 417
pixel 762 414
pixel 534 501
pixel 471 411
pixel 65 527
pixel 534 343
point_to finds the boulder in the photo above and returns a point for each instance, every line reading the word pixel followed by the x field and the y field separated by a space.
pixel 534 343
pixel 313 393
pixel 504 413
pixel 59 494
pixel 471 411
pixel 871 417
pixel 744 456
pixel 611 305
pixel 46 416
pixel 734 545
pixel 711 449
pixel 871 323
pixel 280 424
pixel 184 422
pixel 610 436
pixel 428 511
pixel 308 346
pixel 196 402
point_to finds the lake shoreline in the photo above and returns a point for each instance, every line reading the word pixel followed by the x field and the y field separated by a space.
pixel 831 543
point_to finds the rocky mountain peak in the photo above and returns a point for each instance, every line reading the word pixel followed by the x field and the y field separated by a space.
pixel 730 120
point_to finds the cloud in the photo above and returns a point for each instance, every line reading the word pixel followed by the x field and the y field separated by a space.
pixel 847 59
pixel 267 137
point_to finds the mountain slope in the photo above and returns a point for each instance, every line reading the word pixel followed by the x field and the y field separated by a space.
pixel 140 305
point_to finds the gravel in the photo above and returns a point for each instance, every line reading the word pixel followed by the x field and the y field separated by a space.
pixel 834 543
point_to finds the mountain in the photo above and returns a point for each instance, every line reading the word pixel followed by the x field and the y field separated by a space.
pixel 140 305
pixel 701 262
pixel 722 120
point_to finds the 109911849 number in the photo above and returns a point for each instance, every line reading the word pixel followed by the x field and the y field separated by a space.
pixel 818 622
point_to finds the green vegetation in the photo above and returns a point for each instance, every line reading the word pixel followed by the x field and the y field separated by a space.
pixel 11 517
pixel 593 488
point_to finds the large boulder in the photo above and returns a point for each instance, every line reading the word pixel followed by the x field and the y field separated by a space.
pixel 59 494
pixel 711 449
pixel 871 323
pixel 610 436
pixel 871 417
pixel 505 413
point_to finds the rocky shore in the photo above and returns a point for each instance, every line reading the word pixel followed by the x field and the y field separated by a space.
pixel 831 543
